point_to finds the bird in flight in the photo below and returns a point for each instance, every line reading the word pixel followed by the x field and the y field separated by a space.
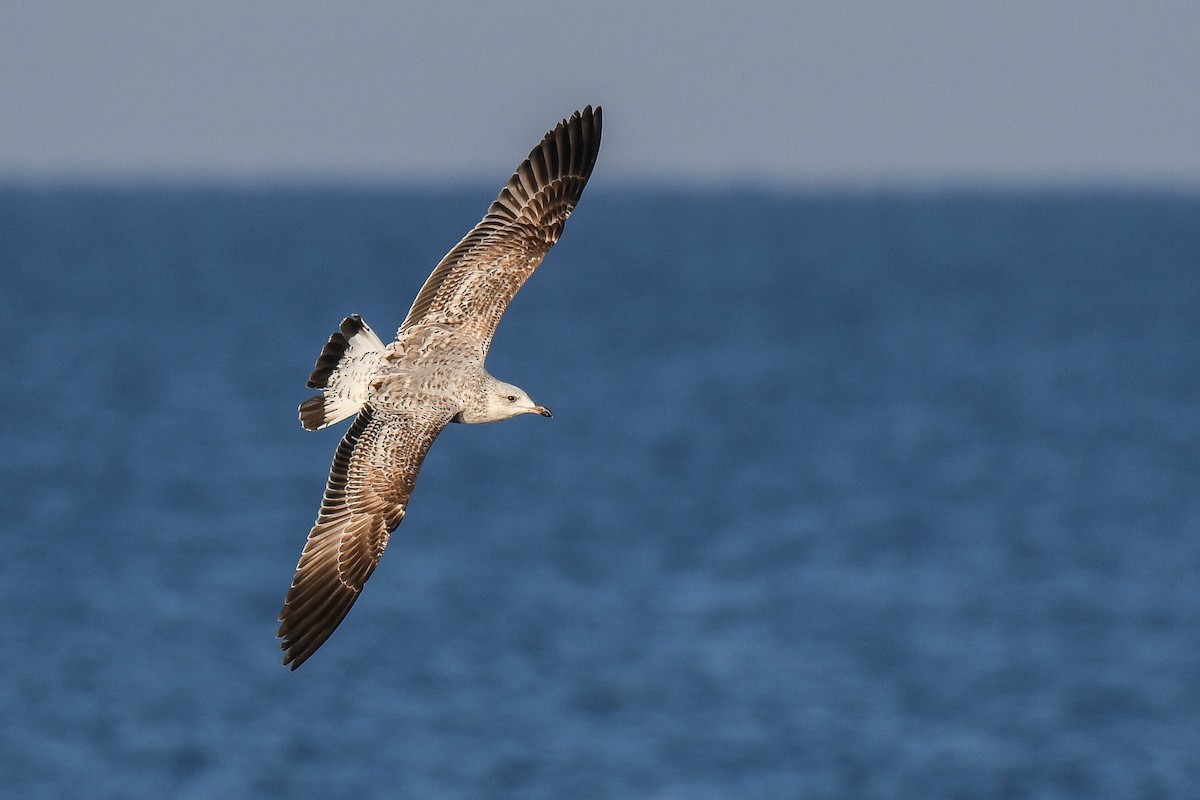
pixel 404 393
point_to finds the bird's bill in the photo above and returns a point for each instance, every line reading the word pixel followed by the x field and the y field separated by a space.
pixel 545 412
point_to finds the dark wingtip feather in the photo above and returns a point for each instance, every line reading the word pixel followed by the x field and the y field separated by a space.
pixel 568 151
pixel 310 632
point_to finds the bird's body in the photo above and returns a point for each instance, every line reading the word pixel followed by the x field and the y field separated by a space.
pixel 404 393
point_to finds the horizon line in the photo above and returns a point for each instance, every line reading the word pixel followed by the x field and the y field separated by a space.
pixel 667 183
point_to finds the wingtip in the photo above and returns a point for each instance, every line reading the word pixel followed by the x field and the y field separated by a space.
pixel 589 116
pixel 293 655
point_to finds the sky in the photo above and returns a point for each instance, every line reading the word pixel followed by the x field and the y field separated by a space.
pixel 777 92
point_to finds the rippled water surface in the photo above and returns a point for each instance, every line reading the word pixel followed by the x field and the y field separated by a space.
pixel 857 495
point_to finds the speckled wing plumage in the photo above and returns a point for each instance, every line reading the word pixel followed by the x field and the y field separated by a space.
pixel 373 474
pixel 477 279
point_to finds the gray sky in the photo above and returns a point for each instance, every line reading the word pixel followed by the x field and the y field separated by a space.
pixel 784 92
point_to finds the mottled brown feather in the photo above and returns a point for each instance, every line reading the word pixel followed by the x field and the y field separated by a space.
pixel 472 286
pixel 372 477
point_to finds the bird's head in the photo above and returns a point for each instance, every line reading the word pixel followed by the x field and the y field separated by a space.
pixel 505 401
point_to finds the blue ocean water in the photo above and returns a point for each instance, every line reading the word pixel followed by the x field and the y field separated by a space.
pixel 860 495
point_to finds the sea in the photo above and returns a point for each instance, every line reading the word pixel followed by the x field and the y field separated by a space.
pixel 863 493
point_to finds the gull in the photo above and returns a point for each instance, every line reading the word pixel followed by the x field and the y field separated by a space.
pixel 403 394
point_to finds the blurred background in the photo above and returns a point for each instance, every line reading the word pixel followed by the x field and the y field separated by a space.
pixel 872 348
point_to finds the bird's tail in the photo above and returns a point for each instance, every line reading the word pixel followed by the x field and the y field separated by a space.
pixel 343 371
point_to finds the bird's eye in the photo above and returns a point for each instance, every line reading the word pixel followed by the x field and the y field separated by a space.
pixel 512 398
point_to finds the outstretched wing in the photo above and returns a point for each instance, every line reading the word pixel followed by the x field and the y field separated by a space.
pixel 475 282
pixel 373 474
